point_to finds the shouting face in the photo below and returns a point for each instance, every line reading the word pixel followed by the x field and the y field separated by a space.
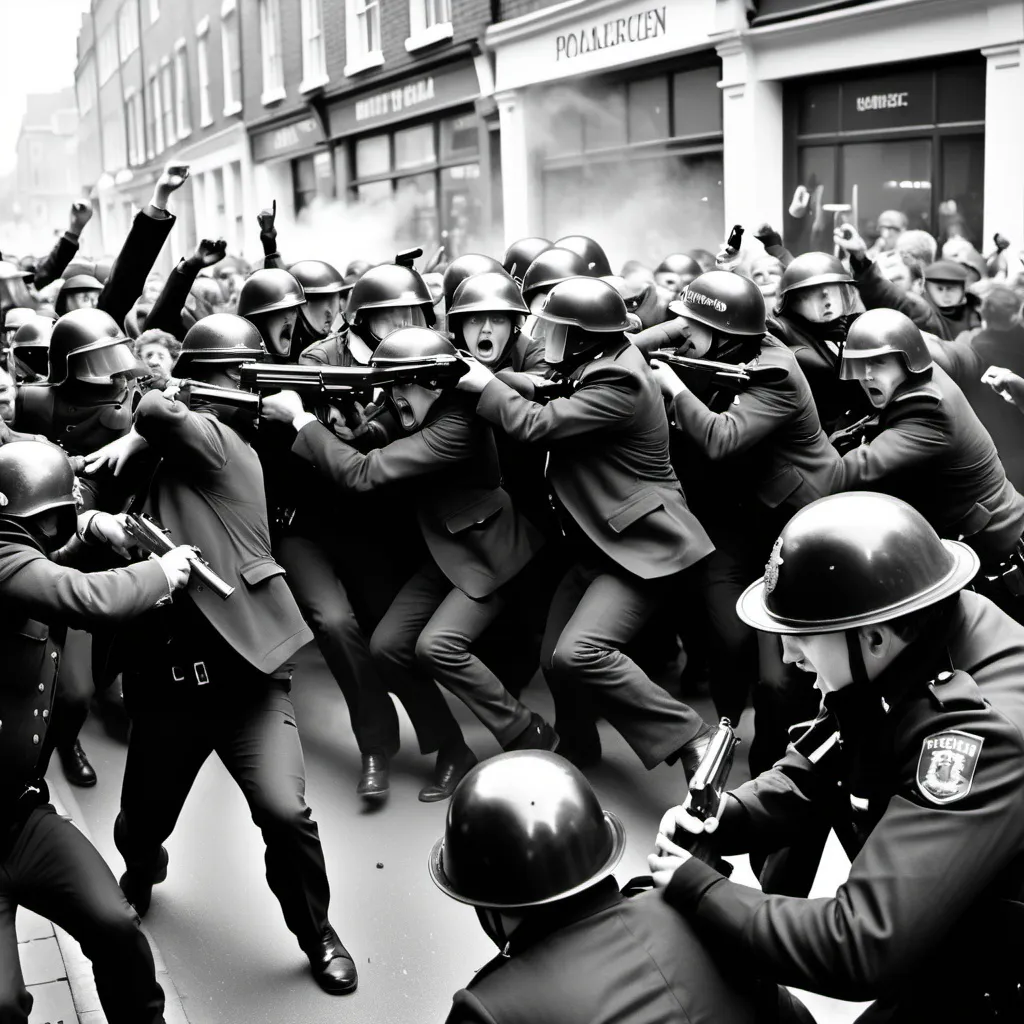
pixel 486 335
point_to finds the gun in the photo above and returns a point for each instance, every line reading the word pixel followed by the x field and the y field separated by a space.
pixel 731 375
pixel 706 790
pixel 238 399
pixel 553 387
pixel 847 438
pixel 152 537
pixel 735 239
pixel 332 382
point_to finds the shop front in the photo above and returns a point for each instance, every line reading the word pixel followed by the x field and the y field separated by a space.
pixel 291 159
pixel 418 152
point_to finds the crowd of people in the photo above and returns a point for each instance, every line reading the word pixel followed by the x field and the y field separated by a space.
pixel 788 466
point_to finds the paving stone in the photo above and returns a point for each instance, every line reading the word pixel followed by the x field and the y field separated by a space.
pixel 41 961
pixel 31 926
pixel 52 1004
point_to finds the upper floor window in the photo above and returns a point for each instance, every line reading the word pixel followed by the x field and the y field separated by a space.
pixel 203 64
pixel 167 101
pixel 85 87
pixel 128 29
pixel 363 35
pixel 182 115
pixel 430 21
pixel 231 54
pixel 270 37
pixel 314 65
pixel 107 53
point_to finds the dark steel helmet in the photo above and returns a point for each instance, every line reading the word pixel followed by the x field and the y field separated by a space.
pixel 464 267
pixel 81 283
pixel 358 267
pixel 880 332
pixel 386 287
pixel 268 291
pixel 77 332
pixel 35 476
pixel 493 292
pixel 16 316
pixel 317 277
pixel 851 560
pixel 947 271
pixel 519 255
pixel 524 829
pixel 591 253
pixel 724 301
pixel 413 345
pixel 550 267
pixel 28 359
pixel 681 264
pixel 810 269
pixel 220 338
pixel 588 303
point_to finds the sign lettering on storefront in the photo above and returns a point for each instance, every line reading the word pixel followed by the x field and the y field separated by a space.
pixel 637 28
pixel 287 140
pixel 882 101
pixel 394 101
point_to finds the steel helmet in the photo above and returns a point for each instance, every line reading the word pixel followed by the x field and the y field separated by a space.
pixel 810 269
pixel 81 283
pixel 81 331
pixel 317 277
pixel 724 301
pixel 16 316
pixel 458 270
pixel 28 359
pixel 493 292
pixel 588 303
pixel 524 829
pixel 413 345
pixel 519 255
pixel 550 267
pixel 220 338
pixel 35 476
pixel 880 332
pixel 386 287
pixel 851 560
pixel 268 291
pixel 681 264
pixel 592 254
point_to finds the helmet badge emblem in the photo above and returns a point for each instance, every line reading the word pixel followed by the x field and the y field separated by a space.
pixel 771 569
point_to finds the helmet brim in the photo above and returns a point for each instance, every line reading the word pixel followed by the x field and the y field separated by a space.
pixel 616 832
pixel 288 302
pixel 678 307
pixel 810 282
pixel 751 607
pixel 334 288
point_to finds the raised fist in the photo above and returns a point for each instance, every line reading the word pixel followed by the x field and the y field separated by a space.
pixel 209 252
pixel 801 200
pixel 81 214
pixel 266 217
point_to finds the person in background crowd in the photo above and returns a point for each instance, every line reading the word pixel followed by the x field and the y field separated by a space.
pixel 919 244
pixel 891 224
pixel 78 292
pixel 168 311
pixel 157 351
pixel 675 272
pixel 945 287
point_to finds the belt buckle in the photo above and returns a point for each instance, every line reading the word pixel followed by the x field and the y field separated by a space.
pixel 202 677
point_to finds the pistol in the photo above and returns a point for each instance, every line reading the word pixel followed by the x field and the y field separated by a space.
pixel 707 788
pixel 150 536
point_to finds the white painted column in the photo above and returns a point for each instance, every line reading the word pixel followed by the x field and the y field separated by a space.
pixel 752 139
pixel 521 183
pixel 1004 144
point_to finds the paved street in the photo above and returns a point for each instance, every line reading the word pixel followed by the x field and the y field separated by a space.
pixel 221 933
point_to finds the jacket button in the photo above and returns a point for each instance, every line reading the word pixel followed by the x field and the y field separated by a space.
pixel 42 687
pixel 53 654
pixel 35 738
pixel 46 714
pixel 35 713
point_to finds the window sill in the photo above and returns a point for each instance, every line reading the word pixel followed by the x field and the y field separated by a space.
pixel 273 96
pixel 205 122
pixel 184 134
pixel 429 36
pixel 309 84
pixel 233 108
pixel 364 62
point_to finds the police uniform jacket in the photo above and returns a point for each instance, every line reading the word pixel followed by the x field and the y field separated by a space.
pixel 771 430
pixel 39 601
pixel 471 528
pixel 932 451
pixel 208 492
pixel 609 461
pixel 605 959
pixel 921 773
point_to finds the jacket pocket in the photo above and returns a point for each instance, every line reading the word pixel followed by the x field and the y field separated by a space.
pixel 260 569
pixel 780 486
pixel 480 512
pixel 23 657
pixel 636 508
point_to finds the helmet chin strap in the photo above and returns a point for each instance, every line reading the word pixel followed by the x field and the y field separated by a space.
pixel 494 928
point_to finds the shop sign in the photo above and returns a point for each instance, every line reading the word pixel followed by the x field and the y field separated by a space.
pixel 636 28
pixel 287 140
pixel 890 102
pixel 445 87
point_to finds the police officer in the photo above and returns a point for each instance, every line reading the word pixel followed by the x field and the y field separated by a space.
pixel 322 286
pixel 675 272
pixel 527 845
pixel 46 864
pixel 764 456
pixel 916 759
pixel 620 500
pixel 201 675
pixel 521 253
pixel 464 267
pixel 548 269
pixel 593 256
pixel 271 300
pixel 28 357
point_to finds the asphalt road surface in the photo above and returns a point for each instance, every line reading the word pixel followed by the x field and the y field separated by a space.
pixel 221 931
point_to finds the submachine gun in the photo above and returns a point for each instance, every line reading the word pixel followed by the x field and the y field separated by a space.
pixel 733 376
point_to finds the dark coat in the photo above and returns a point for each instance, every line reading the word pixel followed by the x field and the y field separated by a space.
pixel 471 528
pixel 128 275
pixel 55 262
pixel 938 866
pixel 609 461
pixel 208 491
pixel 168 309
pixel 606 959
pixel 965 317
pixel 932 451
pixel 878 293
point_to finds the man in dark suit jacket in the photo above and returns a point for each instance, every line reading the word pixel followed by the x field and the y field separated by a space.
pixel 202 676
pixel 477 544
pixel 623 509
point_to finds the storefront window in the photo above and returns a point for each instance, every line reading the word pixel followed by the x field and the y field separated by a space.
pixel 963 174
pixel 414 147
pixel 304 182
pixel 698 102
pixel 462 206
pixel 888 176
pixel 460 138
pixel 373 156
pixel 417 199
pixel 374 191
pixel 647 109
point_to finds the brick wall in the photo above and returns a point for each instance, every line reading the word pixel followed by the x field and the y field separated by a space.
pixel 517 8
pixel 291 53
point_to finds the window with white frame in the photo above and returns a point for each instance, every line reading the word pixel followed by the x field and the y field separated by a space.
pixel 231 55
pixel 156 115
pixel 314 65
pixel 107 53
pixel 270 38
pixel 182 115
pixel 203 62
pixel 128 29
pixel 363 35
pixel 167 101
pixel 430 21
pixel 136 127
pixel 154 11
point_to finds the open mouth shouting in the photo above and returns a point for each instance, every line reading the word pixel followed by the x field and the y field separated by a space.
pixel 406 415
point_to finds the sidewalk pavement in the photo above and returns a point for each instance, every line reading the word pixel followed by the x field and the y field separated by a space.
pixel 57 972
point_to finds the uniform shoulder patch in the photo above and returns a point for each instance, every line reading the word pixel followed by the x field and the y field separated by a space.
pixel 945 769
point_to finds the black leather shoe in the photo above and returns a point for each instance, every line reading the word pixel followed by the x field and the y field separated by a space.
pixel 138 887
pixel 448 774
pixel 538 735
pixel 331 964
pixel 77 769
pixel 374 782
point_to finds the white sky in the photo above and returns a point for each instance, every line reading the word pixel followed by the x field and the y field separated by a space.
pixel 37 54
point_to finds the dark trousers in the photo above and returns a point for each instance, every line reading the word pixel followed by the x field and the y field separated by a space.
pixel 74 689
pixel 597 609
pixel 428 634
pixel 54 870
pixel 341 633
pixel 250 725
